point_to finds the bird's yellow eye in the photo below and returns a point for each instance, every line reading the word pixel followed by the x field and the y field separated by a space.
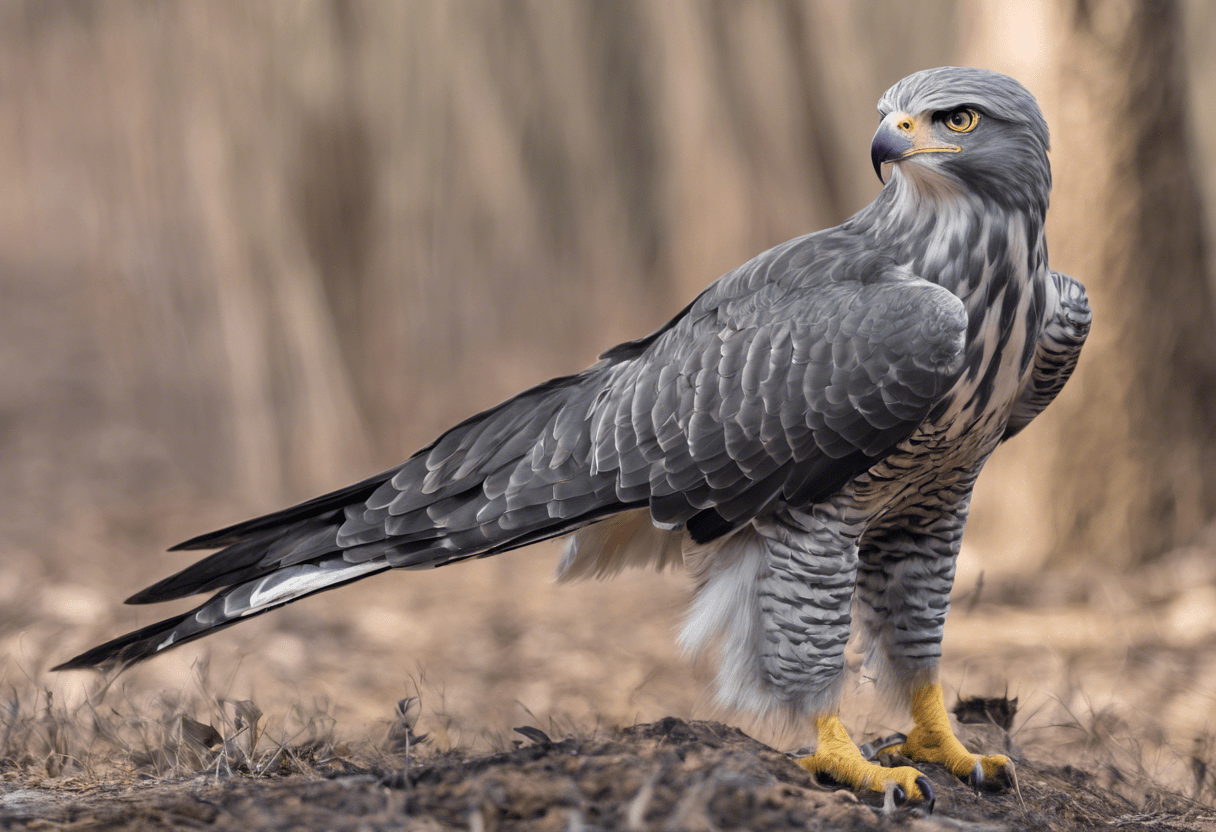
pixel 962 121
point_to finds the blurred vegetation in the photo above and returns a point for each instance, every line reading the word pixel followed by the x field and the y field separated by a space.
pixel 250 251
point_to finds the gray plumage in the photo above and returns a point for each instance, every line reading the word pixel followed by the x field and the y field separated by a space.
pixel 804 435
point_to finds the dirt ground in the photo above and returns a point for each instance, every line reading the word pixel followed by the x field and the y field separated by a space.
pixel 1113 683
pixel 671 775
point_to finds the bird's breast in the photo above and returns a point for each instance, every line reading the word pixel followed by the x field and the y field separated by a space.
pixel 943 457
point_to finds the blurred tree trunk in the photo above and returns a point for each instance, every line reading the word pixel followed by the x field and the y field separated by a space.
pixel 314 233
pixel 1133 470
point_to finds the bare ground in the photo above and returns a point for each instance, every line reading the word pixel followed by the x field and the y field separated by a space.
pixel 669 774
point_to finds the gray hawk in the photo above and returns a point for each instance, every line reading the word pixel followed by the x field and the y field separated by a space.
pixel 804 437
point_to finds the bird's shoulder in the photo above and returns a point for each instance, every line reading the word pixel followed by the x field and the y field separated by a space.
pixel 828 285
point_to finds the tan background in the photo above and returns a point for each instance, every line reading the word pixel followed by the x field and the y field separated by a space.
pixel 250 252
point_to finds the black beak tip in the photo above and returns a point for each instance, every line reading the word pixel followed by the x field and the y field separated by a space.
pixel 876 158
pixel 887 146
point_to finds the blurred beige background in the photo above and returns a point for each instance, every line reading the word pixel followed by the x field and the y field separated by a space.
pixel 254 251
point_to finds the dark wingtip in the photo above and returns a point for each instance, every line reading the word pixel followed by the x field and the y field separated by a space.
pixel 211 540
pixel 81 662
pixel 144 596
pixel 126 650
pixel 333 501
pixel 93 659
pixel 168 589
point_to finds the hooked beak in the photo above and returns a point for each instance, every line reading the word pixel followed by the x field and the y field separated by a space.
pixel 900 136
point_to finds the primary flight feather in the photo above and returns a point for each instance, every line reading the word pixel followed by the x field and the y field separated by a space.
pixel 804 436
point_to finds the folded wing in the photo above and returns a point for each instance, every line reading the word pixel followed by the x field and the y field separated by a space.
pixel 781 382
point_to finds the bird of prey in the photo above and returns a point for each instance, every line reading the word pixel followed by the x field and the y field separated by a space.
pixel 804 437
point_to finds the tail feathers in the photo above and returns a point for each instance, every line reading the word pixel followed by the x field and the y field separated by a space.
pixel 223 610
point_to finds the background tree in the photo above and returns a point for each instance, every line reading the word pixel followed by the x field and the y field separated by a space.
pixel 252 251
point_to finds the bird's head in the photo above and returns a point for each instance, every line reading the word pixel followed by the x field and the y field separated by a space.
pixel 967 129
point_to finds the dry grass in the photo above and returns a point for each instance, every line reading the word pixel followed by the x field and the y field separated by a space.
pixel 163 761
pixel 159 736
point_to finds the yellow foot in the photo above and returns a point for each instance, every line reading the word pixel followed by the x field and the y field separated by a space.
pixel 932 741
pixel 838 758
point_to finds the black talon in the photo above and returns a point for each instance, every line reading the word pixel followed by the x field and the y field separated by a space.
pixel 980 782
pixel 926 789
pixel 901 797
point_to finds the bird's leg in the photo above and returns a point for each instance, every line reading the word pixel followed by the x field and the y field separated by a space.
pixel 903 592
pixel 932 741
pixel 838 757
pixel 805 593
